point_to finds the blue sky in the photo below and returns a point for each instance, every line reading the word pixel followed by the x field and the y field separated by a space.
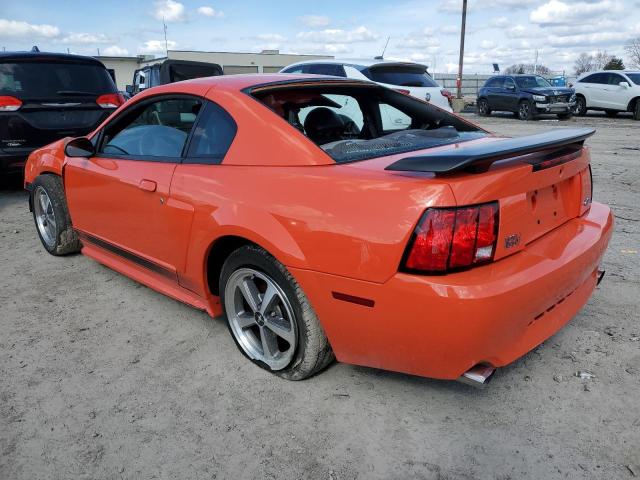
pixel 503 31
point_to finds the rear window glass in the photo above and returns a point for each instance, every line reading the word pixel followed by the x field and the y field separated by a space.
pixel 351 123
pixel 179 72
pixel 51 80
pixel 400 76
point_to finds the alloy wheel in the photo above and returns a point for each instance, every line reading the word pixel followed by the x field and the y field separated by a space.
pixel 45 216
pixel 524 110
pixel 261 317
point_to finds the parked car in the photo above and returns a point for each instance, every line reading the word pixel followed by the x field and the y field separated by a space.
pixel 329 236
pixel 170 71
pixel 526 96
pixel 609 91
pixel 406 77
pixel 48 96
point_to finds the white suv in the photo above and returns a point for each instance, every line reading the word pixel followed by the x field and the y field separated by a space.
pixel 612 91
pixel 406 77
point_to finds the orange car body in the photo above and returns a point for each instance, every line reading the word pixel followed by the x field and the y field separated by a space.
pixel 341 230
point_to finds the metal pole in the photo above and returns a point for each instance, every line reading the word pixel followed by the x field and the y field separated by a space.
pixel 166 44
pixel 462 32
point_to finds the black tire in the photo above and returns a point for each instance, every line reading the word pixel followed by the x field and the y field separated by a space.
pixel 581 106
pixel 483 108
pixel 636 110
pixel 565 116
pixel 313 352
pixel 611 113
pixel 525 110
pixel 63 239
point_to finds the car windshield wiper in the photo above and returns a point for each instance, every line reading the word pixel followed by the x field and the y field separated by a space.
pixel 75 92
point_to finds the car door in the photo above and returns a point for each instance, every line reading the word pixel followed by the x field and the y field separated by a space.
pixel 615 97
pixel 494 91
pixel 597 85
pixel 119 198
pixel 510 95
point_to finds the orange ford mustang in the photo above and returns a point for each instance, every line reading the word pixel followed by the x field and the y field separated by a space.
pixel 326 216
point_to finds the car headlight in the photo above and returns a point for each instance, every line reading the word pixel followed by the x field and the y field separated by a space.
pixel 573 98
pixel 540 98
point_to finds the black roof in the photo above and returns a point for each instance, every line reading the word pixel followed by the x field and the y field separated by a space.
pixel 47 57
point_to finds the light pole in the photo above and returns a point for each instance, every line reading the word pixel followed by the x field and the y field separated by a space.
pixel 462 32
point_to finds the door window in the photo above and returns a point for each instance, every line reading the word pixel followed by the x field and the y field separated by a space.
pixel 212 136
pixel 509 84
pixel 614 79
pixel 495 82
pixel 157 130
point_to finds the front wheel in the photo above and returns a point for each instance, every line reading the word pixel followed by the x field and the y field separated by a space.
pixel 581 106
pixel 525 110
pixel 636 110
pixel 483 108
pixel 51 216
pixel 270 317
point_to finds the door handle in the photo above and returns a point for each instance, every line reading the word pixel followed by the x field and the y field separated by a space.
pixel 147 185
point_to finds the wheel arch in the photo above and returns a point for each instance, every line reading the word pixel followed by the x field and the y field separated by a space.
pixel 43 172
pixel 632 103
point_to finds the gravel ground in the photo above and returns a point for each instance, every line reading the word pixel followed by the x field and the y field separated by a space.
pixel 101 377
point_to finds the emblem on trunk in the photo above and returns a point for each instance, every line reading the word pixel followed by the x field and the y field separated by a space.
pixel 512 240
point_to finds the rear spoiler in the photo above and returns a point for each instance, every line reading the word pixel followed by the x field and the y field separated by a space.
pixel 485 153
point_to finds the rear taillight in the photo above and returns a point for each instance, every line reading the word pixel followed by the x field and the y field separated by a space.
pixel 9 104
pixel 448 94
pixel 452 238
pixel 403 91
pixel 110 100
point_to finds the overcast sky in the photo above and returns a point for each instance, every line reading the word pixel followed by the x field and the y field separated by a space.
pixel 502 31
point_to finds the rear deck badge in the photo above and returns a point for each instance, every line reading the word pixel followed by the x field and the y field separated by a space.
pixel 512 240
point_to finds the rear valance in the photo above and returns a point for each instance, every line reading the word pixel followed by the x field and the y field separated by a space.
pixel 485 153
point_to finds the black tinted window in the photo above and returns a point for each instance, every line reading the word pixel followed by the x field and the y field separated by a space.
pixel 635 77
pixel 402 76
pixel 213 135
pixel 614 79
pixel 182 71
pixel 595 78
pixel 495 82
pixel 297 69
pixel 326 69
pixel 159 129
pixel 51 80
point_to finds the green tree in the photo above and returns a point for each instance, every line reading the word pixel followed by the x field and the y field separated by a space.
pixel 614 64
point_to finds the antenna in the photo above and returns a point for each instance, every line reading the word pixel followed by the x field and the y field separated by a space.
pixel 166 44
pixel 381 57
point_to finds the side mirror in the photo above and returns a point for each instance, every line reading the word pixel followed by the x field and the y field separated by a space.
pixel 79 147
pixel 624 84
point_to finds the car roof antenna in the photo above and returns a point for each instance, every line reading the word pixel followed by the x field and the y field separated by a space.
pixel 381 57
pixel 35 48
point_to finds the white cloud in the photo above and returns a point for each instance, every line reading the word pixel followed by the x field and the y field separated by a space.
pixel 85 38
pixel 518 31
pixel 487 44
pixel 169 10
pixel 334 35
pixel 499 22
pixel 115 51
pixel 210 12
pixel 455 6
pixel 18 29
pixel 156 46
pixel 315 21
pixel 557 12
pixel 423 39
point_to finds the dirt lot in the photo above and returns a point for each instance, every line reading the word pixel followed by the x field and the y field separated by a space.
pixel 101 377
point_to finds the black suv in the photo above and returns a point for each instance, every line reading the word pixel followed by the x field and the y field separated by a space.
pixel 48 96
pixel 526 96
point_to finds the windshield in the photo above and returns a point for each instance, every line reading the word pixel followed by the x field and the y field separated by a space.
pixel 401 76
pixel 361 122
pixel 634 77
pixel 532 81
pixel 51 80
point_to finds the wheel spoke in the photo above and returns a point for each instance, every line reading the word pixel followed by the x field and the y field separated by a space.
pixel 277 326
pixel 43 203
pixel 269 299
pixel 269 343
pixel 250 293
pixel 245 320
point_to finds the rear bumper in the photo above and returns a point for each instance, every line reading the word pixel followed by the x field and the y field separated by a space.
pixel 441 326
pixel 13 162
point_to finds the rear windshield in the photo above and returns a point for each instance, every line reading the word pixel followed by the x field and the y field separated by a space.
pixel 635 77
pixel 52 80
pixel 401 76
pixel 179 72
pixel 358 122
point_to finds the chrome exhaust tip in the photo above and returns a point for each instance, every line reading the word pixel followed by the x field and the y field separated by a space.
pixel 478 376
